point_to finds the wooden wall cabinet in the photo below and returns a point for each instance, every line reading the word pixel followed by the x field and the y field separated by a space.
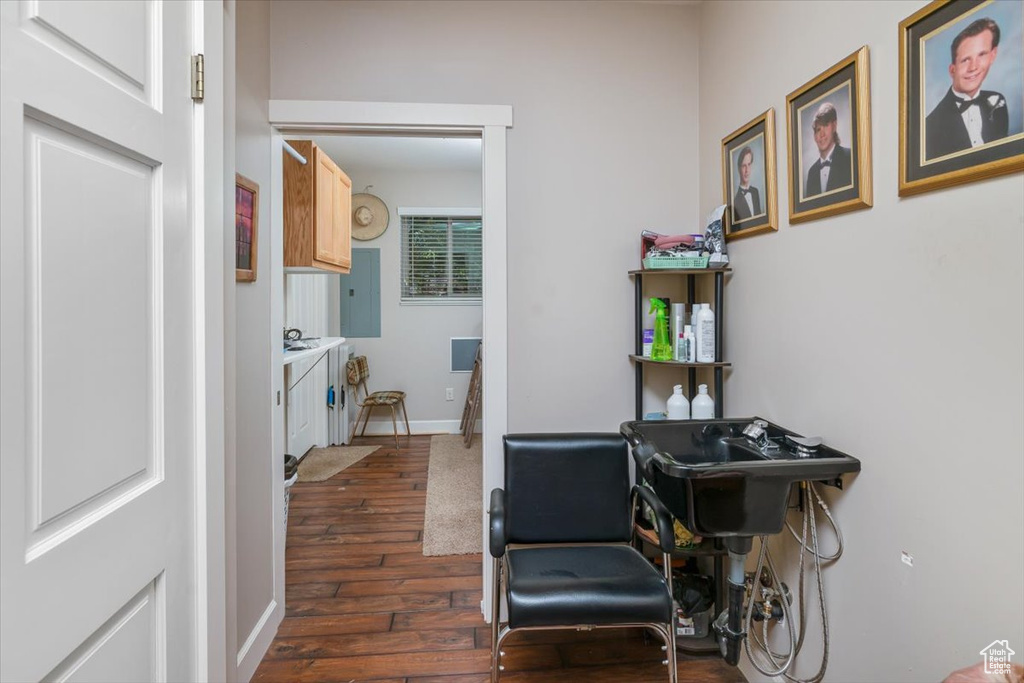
pixel 317 212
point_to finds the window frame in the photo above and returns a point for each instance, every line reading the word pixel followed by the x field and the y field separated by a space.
pixel 451 213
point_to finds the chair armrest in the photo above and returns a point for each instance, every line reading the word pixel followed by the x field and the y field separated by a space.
pixel 666 534
pixel 497 514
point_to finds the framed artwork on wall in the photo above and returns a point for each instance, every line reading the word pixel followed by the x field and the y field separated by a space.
pixel 247 214
pixel 828 140
pixel 961 93
pixel 749 177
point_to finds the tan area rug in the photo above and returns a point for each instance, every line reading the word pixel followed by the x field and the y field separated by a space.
pixel 320 464
pixel 452 522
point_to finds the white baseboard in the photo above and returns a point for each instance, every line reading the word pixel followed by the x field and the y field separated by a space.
pixel 385 428
pixel 256 645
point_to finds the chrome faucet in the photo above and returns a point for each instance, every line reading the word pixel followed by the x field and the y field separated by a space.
pixel 801 446
pixel 757 434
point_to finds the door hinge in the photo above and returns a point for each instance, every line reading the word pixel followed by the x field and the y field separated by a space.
pixel 198 81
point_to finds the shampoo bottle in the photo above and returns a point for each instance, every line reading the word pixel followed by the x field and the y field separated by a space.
pixel 691 346
pixel 703 404
pixel 706 334
pixel 682 348
pixel 678 406
pixel 676 330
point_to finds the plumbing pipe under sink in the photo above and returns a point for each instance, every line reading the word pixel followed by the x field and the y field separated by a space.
pixel 732 479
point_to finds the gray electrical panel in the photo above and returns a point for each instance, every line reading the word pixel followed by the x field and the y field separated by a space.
pixel 360 295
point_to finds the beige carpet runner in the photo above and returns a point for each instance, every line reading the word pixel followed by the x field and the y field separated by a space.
pixel 452 525
pixel 320 464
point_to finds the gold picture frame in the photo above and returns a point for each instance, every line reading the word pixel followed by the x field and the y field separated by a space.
pixel 750 150
pixel 936 148
pixel 247 215
pixel 836 104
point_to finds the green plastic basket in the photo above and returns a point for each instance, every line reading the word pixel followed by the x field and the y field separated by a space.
pixel 679 262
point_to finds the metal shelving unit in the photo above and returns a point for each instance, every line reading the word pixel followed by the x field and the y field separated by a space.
pixel 712 547
pixel 639 361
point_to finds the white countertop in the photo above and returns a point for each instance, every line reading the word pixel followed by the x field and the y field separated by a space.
pixel 305 354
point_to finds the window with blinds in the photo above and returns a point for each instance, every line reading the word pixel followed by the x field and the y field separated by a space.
pixel 442 258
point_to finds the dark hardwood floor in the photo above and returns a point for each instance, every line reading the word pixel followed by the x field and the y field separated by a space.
pixel 364 604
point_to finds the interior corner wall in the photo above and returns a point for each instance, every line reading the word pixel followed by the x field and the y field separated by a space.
pixel 412 354
pixel 230 350
pixel 602 146
pixel 254 464
pixel 896 334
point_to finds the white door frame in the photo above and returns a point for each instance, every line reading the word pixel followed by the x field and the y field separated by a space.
pixel 213 181
pixel 490 123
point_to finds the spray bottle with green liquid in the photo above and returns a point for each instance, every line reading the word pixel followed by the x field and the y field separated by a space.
pixel 661 349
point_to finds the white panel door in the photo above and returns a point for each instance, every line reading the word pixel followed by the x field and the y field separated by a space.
pixel 306 309
pixel 299 384
pixel 97 348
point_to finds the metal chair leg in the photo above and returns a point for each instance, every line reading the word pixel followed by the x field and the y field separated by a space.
pixel 495 620
pixel 394 425
pixel 405 415
pixel 673 672
pixel 369 411
pixel 359 416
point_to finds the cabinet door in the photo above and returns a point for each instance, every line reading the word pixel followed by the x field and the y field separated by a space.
pixel 343 219
pixel 325 201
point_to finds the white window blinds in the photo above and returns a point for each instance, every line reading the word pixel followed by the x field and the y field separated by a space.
pixel 442 258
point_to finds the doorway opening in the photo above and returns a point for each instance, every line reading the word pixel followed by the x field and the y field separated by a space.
pixel 486 122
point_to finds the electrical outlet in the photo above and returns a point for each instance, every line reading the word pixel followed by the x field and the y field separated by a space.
pixel 449 394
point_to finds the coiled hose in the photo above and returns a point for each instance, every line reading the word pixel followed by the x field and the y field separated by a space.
pixel 796 643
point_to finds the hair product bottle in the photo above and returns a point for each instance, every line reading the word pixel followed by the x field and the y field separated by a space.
pixel 706 334
pixel 648 333
pixel 703 404
pixel 690 344
pixel 676 330
pixel 678 406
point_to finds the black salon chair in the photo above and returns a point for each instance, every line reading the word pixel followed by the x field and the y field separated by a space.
pixel 560 536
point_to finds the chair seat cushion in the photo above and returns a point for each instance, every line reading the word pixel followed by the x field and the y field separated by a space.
pixel 384 398
pixel 561 586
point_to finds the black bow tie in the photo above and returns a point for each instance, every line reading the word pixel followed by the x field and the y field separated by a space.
pixel 745 190
pixel 826 162
pixel 964 105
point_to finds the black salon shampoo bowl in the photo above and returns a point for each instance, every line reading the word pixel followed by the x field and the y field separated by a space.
pixel 716 482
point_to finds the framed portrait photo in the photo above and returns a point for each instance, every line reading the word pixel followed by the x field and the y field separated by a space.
pixel 247 214
pixel 961 93
pixel 828 137
pixel 748 178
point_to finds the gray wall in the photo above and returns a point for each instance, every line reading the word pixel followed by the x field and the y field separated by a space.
pixel 881 308
pixel 253 578
pixel 896 334
pixel 411 354
pixel 603 146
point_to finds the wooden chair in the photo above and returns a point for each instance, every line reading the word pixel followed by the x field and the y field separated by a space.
pixel 358 372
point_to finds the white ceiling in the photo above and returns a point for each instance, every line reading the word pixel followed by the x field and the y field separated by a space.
pixel 365 152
